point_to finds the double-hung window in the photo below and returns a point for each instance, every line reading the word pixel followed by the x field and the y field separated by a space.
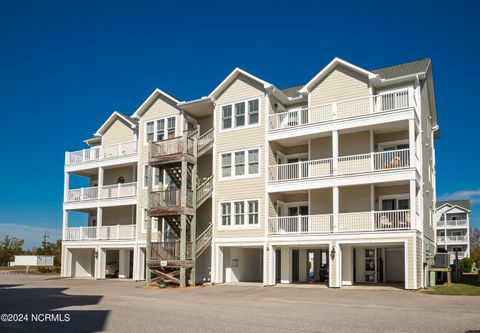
pixel 226 214
pixel 240 114
pixel 226 165
pixel 240 163
pixel 149 131
pixel 253 112
pixel 253 212
pixel 227 116
pixel 239 213
pixel 160 129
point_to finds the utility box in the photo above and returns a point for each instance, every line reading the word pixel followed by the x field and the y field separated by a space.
pixel 442 260
pixel 432 279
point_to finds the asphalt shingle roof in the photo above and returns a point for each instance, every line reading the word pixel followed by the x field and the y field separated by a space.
pixel 461 203
pixel 408 68
pixel 292 91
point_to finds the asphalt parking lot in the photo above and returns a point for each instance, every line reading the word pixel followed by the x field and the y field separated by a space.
pixel 121 306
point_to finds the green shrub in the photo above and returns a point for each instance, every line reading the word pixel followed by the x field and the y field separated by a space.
pixel 466 265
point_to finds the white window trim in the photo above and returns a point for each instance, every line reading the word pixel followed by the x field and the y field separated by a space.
pixel 154 187
pixel 232 104
pixel 145 142
pixel 246 162
pixel 152 220
pixel 397 197
pixel 232 225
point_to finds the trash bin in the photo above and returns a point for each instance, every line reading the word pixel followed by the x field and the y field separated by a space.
pixel 432 279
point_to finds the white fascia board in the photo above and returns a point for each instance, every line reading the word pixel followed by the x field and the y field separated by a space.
pixel 458 207
pixel 154 95
pixel 336 61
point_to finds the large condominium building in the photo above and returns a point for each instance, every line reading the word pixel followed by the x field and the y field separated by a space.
pixel 332 181
pixel 452 224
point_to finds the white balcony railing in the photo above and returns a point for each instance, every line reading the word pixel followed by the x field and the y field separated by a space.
pixel 103 192
pixel 301 224
pixel 453 223
pixel 363 163
pixel 347 222
pixel 452 239
pixel 343 109
pixel 111 232
pixel 101 153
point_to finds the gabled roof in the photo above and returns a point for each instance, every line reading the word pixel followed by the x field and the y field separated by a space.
pixel 150 100
pixel 232 76
pixel 331 65
pixel 114 116
pixel 405 69
pixel 460 203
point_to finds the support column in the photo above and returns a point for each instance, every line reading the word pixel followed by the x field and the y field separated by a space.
pixel 335 152
pixel 99 221
pixel 302 265
pixel 66 186
pixel 286 257
pixel 148 220
pixel 272 265
pixel 336 208
pixel 193 222
pixel 411 141
pixel 65 223
pixel 100 262
pixel 183 217
pixel 101 173
pixel 317 264
pixel 124 263
pixel 413 203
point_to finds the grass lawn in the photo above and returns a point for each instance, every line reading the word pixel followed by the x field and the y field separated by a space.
pixel 469 288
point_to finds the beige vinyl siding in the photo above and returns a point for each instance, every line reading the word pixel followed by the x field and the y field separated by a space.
pixel 321 201
pixel 410 263
pixel 162 107
pixel 300 149
pixel 118 215
pixel 340 84
pixel 419 260
pixel 392 136
pixel 118 132
pixel 204 167
pixel 111 176
pixel 354 143
pixel 354 199
pixel 296 197
pixel 272 199
pixel 237 139
pixel 205 123
pixel 321 148
pixel 427 155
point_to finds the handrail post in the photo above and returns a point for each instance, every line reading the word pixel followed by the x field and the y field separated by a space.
pixel 82 193
pixel 334 110
pixel 299 221
pixel 372 162
pixel 81 233
pixel 118 191
pixel 118 231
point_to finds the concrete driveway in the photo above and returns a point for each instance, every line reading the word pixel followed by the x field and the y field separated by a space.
pixel 121 306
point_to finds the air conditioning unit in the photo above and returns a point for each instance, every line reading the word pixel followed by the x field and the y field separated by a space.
pixel 442 260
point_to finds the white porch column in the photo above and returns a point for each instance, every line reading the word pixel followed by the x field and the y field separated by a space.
pixel 99 220
pixel 335 152
pixel 101 173
pixel 273 265
pixel 66 186
pixel 65 223
pixel 286 257
pixel 411 141
pixel 100 262
pixel 123 263
pixel 336 208
pixel 302 265
pixel 413 203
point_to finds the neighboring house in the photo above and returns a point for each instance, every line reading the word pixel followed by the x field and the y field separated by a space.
pixel 32 260
pixel 452 224
pixel 332 181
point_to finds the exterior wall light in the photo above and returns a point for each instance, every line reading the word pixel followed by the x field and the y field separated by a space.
pixel 332 253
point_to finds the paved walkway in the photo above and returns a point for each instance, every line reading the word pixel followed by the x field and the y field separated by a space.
pixel 129 307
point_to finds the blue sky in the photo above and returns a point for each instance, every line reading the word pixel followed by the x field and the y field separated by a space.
pixel 65 66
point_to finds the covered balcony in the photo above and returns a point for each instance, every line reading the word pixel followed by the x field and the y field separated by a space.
pixel 316 114
pixel 363 208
